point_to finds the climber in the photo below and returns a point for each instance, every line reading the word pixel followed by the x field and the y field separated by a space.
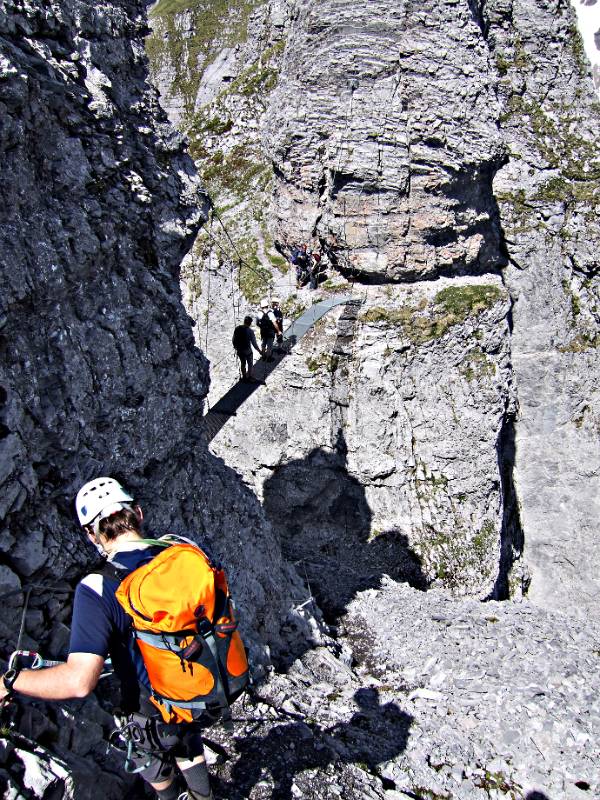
pixel 269 329
pixel 300 259
pixel 314 270
pixel 112 522
pixel 278 314
pixel 243 341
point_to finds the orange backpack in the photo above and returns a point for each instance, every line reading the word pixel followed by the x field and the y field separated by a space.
pixel 184 623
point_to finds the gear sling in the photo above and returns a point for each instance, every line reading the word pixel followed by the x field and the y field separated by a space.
pixel 184 623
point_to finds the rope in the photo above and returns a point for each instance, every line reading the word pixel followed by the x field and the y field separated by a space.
pixel 241 262
pixel 22 627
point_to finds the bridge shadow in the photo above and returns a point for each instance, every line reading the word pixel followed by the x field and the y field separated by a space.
pixel 228 405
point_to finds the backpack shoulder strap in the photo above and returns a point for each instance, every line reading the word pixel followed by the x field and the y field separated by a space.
pixel 109 570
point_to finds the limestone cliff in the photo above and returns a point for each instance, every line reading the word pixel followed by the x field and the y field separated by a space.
pixel 431 145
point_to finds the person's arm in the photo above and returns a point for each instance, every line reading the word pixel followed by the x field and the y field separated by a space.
pixel 75 679
pixel 253 342
pixel 275 322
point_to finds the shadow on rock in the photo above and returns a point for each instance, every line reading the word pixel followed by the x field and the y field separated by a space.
pixel 285 756
pixel 324 522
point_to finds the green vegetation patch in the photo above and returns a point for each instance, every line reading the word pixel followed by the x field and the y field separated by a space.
pixel 326 361
pixel 239 172
pixel 259 78
pixel 498 783
pixel 211 26
pixel 561 190
pixel 291 308
pixel 454 558
pixel 428 483
pixel 279 262
pixel 554 134
pixel 581 343
pixel 477 365
pixel 484 541
pixel 254 280
pixel 464 301
pixel 451 306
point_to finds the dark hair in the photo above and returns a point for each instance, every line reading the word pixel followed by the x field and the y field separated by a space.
pixel 247 320
pixel 120 522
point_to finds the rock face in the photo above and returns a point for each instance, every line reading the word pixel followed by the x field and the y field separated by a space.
pixel 388 160
pixel 452 140
pixel 456 700
pixel 356 474
pixel 441 430
pixel 511 712
pixel 548 196
pixel 99 374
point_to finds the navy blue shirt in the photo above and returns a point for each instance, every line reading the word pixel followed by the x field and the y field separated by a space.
pixel 100 626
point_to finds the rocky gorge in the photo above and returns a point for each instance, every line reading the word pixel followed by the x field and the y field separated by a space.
pixel 408 508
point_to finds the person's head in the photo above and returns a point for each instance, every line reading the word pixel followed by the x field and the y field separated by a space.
pixel 264 304
pixel 247 320
pixel 106 511
pixel 275 302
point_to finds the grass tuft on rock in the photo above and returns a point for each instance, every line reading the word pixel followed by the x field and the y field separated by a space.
pixel 451 306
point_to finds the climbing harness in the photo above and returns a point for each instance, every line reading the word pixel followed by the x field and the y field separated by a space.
pixel 128 736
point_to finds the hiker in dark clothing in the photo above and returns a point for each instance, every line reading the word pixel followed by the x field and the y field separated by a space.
pixel 314 270
pixel 243 341
pixel 269 329
pixel 278 314
pixel 300 259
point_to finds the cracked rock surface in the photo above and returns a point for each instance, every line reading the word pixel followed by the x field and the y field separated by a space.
pixel 446 699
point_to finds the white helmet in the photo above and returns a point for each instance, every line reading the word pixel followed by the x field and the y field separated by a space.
pixel 275 300
pixel 100 498
pixel 264 303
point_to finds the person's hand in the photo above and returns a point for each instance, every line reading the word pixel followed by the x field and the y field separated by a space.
pixel 4 692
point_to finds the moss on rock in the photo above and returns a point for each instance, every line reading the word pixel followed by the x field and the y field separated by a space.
pixel 451 306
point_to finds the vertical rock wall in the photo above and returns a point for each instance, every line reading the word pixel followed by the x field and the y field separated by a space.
pixel 383 132
pixel 99 373
pixel 549 201
pixel 455 138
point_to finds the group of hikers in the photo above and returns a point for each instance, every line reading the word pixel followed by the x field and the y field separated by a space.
pixel 160 609
pixel 270 325
pixel 310 266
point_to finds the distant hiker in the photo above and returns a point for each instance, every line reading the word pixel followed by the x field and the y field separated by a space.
pixel 300 259
pixel 314 270
pixel 181 593
pixel 243 341
pixel 269 329
pixel 278 314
